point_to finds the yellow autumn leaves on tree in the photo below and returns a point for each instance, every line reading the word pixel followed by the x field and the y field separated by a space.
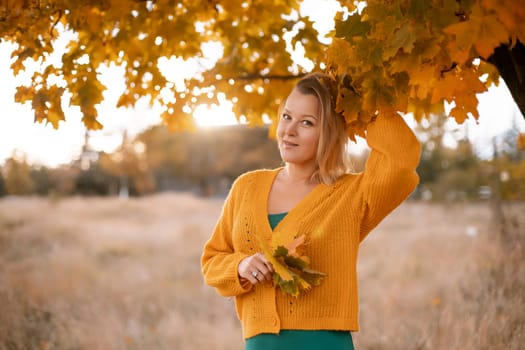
pixel 412 56
pixel 400 56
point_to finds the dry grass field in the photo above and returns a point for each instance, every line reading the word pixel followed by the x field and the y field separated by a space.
pixel 105 273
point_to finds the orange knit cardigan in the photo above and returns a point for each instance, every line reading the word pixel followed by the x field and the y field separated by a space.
pixel 335 219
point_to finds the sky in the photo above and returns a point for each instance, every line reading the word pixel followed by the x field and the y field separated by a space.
pixel 43 145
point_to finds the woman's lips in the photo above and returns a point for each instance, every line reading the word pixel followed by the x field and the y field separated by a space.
pixel 289 144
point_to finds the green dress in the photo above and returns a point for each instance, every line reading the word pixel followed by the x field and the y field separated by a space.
pixel 299 339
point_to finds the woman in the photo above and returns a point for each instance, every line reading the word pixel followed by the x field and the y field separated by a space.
pixel 312 194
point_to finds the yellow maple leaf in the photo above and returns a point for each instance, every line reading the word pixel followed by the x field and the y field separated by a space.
pixel 339 54
pixel 24 94
pixel 469 103
pixel 459 114
pixel 471 82
pixel 444 88
pixel 481 31
pixel 348 103
pixel 511 14
pixel 403 39
pixel 404 62
pixel 491 34
pixel 90 117
pixel 278 267
pixel 55 114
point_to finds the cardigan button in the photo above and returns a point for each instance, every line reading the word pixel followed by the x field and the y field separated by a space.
pixel 275 321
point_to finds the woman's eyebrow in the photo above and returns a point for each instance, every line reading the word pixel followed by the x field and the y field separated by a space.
pixel 303 115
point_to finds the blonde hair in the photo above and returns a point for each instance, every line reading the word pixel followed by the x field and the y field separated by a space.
pixel 332 160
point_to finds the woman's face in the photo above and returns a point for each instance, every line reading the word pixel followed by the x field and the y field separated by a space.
pixel 299 129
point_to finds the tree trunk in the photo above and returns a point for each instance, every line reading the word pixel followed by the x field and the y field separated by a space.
pixel 510 62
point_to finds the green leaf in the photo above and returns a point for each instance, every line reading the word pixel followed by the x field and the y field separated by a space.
pixel 280 252
pixel 313 277
pixel 296 263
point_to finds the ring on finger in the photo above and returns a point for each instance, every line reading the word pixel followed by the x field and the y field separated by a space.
pixel 255 274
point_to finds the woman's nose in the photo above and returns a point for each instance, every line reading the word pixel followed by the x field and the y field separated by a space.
pixel 291 128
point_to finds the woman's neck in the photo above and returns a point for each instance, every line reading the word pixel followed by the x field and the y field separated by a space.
pixel 298 174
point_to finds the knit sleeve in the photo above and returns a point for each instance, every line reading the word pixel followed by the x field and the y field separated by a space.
pixel 390 172
pixel 219 259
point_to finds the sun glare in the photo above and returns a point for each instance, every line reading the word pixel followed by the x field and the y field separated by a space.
pixel 215 115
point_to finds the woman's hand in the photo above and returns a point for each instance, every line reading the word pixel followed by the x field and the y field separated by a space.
pixel 255 269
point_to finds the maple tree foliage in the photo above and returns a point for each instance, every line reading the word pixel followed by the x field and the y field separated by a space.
pixel 411 56
pixel 135 34
pixel 385 56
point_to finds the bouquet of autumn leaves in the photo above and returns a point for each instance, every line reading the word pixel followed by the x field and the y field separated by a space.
pixel 291 269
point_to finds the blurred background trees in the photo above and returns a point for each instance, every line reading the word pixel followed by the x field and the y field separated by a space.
pixel 208 160
pixel 205 162
pixel 17 176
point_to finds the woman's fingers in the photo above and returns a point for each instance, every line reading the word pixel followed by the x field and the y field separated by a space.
pixel 263 267
pixel 247 269
pixel 262 258
pixel 261 273
pixel 255 269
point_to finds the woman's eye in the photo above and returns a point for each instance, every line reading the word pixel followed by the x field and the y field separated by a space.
pixel 307 123
pixel 286 116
